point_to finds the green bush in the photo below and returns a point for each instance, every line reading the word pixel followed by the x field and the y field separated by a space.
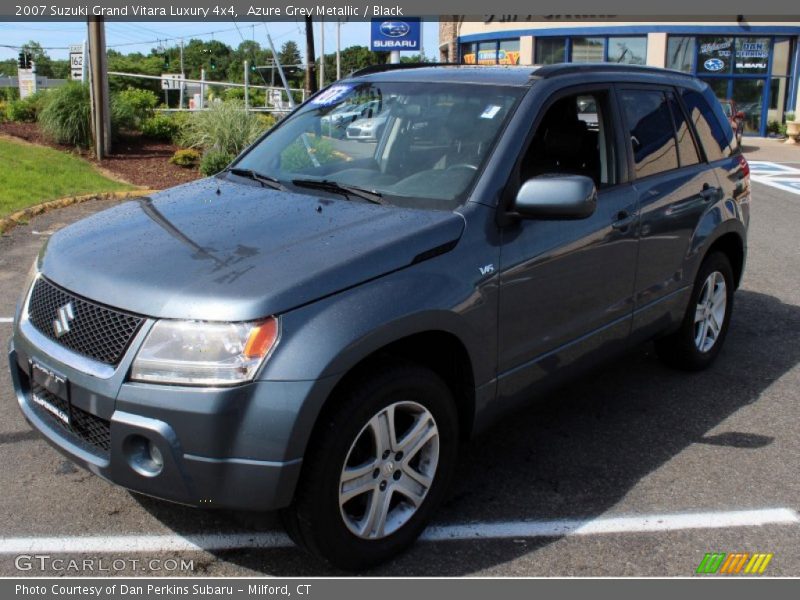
pixel 789 116
pixel 224 126
pixel 7 94
pixel 214 161
pixel 67 115
pixel 774 127
pixel 131 107
pixel 28 109
pixel 187 158
pixel 160 127
pixel 266 121
pixel 233 94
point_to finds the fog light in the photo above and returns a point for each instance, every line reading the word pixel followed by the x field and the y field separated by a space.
pixel 144 457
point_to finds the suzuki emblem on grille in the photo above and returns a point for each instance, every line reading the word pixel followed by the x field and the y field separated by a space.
pixel 64 316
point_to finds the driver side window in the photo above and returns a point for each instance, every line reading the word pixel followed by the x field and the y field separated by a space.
pixel 574 137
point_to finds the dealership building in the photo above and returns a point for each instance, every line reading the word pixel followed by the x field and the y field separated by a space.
pixel 757 63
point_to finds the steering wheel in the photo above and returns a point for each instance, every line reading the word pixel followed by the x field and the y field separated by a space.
pixel 462 166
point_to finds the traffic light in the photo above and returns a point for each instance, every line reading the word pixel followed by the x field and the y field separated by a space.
pixel 166 61
pixel 213 64
pixel 25 60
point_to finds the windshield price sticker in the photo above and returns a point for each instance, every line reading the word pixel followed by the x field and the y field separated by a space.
pixel 332 95
pixel 490 112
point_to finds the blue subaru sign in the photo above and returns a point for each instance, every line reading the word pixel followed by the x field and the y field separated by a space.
pixel 395 34
pixel 714 64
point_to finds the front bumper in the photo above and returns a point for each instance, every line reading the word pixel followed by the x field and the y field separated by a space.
pixel 221 447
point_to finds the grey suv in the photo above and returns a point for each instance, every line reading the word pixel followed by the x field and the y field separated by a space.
pixel 318 327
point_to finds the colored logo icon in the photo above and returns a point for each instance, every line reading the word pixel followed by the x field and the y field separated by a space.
pixel 714 64
pixel 734 563
pixel 395 28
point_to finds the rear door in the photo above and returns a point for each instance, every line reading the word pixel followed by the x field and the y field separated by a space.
pixel 674 187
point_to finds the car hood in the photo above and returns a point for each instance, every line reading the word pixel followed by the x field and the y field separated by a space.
pixel 219 250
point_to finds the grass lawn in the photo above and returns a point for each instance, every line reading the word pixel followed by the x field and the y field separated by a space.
pixel 32 174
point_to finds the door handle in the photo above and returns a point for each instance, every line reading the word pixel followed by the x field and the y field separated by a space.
pixel 624 220
pixel 709 193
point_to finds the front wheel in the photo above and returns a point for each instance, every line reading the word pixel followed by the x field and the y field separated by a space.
pixel 377 467
pixel 701 335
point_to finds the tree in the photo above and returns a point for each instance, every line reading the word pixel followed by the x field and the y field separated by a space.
pixel 290 60
pixel 353 58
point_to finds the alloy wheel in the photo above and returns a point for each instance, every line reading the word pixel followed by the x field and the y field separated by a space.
pixel 389 470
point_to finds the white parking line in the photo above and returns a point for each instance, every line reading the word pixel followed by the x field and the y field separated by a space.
pixel 509 529
pixel 6 320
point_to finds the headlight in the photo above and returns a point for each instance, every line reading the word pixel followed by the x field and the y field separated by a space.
pixel 33 272
pixel 204 353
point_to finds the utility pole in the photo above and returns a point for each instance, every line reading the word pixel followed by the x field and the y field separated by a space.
pixel 310 79
pixel 246 85
pixel 321 52
pixel 338 49
pixel 101 118
pixel 183 77
pixel 277 63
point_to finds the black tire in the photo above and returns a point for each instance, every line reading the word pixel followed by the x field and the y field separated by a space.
pixel 314 520
pixel 680 349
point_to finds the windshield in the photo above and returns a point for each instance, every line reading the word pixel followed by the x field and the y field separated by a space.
pixel 419 145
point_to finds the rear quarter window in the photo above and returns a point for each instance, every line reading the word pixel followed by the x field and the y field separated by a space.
pixel 713 130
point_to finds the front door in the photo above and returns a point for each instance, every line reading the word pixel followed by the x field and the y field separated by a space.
pixel 566 286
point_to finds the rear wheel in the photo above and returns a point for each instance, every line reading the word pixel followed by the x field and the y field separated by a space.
pixel 701 335
pixel 376 469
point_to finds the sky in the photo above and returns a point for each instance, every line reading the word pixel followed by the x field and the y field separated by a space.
pixel 140 37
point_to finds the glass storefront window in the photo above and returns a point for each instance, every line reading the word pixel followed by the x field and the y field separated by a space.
pixel 628 50
pixel 714 55
pixel 680 53
pixel 587 49
pixel 749 96
pixel 508 53
pixel 468 52
pixel 551 50
pixel 487 53
pixel 752 56
pixel 781 57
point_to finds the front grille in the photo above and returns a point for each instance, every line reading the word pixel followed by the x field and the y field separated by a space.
pixel 84 426
pixel 96 331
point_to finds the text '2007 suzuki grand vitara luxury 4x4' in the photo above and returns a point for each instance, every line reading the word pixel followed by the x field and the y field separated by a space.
pixel 316 328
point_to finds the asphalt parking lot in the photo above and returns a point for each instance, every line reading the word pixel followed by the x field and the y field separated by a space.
pixel 635 470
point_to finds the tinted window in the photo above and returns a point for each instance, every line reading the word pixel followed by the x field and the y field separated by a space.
pixel 650 130
pixel 713 137
pixel 627 50
pixel 551 50
pixel 574 137
pixel 687 151
pixel 680 52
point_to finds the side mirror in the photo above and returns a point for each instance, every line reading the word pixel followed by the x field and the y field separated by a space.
pixel 556 197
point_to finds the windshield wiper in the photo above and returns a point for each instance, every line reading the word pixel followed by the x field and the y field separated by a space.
pixel 338 188
pixel 264 180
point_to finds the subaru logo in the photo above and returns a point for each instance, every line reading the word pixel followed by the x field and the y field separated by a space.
pixel 714 64
pixel 395 28
pixel 64 316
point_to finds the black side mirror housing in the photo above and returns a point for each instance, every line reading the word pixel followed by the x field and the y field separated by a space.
pixel 556 197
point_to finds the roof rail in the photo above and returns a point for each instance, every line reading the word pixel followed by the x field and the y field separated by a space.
pixel 397 66
pixel 569 68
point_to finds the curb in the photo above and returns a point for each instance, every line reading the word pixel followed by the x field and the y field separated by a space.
pixel 14 219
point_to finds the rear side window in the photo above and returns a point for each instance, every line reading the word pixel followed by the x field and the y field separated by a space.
pixel 687 151
pixel 716 140
pixel 650 131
